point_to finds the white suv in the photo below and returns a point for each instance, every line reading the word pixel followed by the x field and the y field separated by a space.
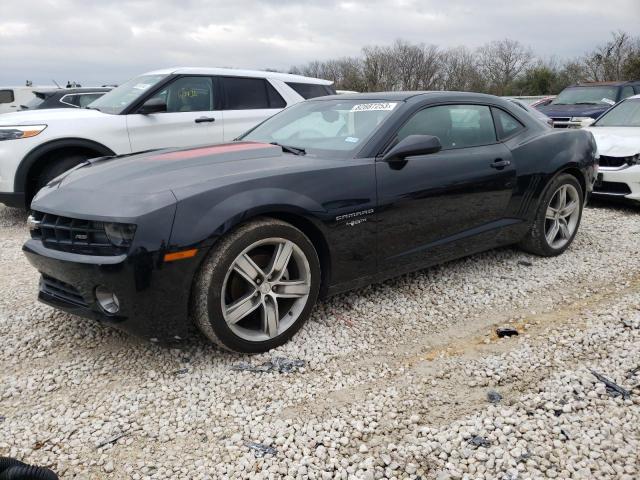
pixel 164 108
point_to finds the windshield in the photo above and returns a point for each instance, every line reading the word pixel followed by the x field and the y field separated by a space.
pixel 334 127
pixel 625 114
pixel 121 97
pixel 587 96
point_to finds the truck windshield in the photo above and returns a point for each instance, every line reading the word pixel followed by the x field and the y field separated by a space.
pixel 331 127
pixel 603 95
pixel 625 114
pixel 119 98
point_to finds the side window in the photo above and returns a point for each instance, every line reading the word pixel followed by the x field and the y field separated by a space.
pixel 245 93
pixel 87 98
pixel 6 96
pixel 275 99
pixel 457 126
pixel 506 124
pixel 310 90
pixel 70 99
pixel 626 92
pixel 188 94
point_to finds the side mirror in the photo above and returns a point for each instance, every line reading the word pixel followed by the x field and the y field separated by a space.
pixel 153 105
pixel 413 145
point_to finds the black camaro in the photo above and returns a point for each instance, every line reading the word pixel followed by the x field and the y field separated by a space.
pixel 331 194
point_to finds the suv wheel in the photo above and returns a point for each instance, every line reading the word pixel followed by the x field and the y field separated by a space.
pixel 256 289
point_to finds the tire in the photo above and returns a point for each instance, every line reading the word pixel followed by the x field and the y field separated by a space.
pixel 550 212
pixel 7 462
pixel 57 166
pixel 28 472
pixel 246 309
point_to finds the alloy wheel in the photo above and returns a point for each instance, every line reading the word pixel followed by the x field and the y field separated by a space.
pixel 266 289
pixel 562 216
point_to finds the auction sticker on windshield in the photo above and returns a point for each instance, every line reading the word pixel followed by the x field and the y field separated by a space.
pixel 369 107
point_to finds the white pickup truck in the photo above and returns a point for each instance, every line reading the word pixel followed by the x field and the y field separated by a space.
pixel 165 108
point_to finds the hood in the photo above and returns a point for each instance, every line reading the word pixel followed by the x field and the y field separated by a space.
pixel 128 185
pixel 593 111
pixel 36 117
pixel 617 141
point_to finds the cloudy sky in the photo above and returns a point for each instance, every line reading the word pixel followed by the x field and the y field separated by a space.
pixel 108 41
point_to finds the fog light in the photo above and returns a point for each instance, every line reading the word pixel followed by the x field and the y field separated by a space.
pixel 107 300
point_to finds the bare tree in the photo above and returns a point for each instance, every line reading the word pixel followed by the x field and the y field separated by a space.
pixel 501 62
pixel 607 62
pixel 460 71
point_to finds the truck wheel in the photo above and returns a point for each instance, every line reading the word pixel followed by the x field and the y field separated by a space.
pixel 557 219
pixel 257 287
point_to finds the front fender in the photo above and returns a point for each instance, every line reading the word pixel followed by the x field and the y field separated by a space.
pixel 202 219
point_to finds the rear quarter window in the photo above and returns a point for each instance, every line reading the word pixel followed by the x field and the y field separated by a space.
pixel 6 96
pixel 311 90
pixel 250 93
pixel 506 124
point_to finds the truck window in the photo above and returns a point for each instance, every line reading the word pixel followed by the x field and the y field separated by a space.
pixel 6 96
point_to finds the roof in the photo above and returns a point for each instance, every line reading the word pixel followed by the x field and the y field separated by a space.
pixel 73 90
pixel 403 96
pixel 612 84
pixel 233 72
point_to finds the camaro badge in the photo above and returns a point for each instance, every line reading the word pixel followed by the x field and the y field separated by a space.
pixel 348 216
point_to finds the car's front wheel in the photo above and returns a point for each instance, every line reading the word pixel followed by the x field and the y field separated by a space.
pixel 557 219
pixel 257 287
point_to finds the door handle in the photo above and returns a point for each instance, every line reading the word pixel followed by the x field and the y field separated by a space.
pixel 204 119
pixel 500 164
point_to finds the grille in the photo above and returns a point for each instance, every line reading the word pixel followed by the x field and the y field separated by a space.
pixel 612 188
pixel 561 122
pixel 73 235
pixel 612 162
pixel 61 290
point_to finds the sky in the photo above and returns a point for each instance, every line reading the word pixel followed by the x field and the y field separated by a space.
pixel 97 42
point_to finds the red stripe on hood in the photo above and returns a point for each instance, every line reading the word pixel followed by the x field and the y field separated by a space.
pixel 213 150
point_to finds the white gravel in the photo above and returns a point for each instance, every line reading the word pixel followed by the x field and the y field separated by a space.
pixel 395 383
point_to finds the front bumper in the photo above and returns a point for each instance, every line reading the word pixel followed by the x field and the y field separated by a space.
pixel 620 183
pixel 154 296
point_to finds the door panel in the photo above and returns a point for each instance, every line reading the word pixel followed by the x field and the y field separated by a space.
pixel 237 122
pixel 190 119
pixel 438 206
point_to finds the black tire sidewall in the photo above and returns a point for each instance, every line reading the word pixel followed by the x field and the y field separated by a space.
pixel 58 165
pixel 540 220
pixel 216 280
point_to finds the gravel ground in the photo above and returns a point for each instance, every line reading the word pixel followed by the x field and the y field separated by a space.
pixel 396 381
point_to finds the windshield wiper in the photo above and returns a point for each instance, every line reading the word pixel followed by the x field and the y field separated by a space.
pixel 586 103
pixel 92 108
pixel 289 149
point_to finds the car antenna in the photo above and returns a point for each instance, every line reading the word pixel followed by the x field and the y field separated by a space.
pixel 56 84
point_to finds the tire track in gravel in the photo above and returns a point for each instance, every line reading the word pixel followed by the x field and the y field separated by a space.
pixel 466 341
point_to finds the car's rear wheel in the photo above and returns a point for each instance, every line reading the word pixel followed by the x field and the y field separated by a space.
pixel 557 219
pixel 256 289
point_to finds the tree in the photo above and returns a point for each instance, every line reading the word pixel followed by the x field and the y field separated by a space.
pixel 460 71
pixel 502 62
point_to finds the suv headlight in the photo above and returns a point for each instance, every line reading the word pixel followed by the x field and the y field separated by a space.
pixel 20 131
pixel 120 234
pixel 634 160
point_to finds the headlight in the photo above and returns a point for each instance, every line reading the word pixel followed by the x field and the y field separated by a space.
pixel 580 119
pixel 20 131
pixel 635 160
pixel 120 234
